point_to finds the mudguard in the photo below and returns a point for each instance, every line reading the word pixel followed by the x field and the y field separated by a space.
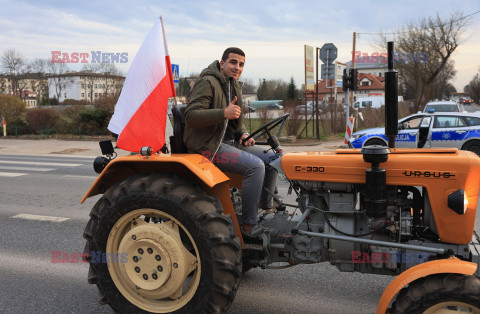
pixel 443 266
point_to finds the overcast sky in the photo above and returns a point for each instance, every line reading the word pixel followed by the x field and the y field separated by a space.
pixel 272 33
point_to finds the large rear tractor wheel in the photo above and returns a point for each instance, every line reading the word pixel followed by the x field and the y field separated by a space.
pixel 443 293
pixel 159 244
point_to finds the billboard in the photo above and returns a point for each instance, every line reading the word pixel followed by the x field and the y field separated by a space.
pixel 309 75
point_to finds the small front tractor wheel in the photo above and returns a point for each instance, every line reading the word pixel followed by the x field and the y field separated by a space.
pixel 442 293
pixel 159 244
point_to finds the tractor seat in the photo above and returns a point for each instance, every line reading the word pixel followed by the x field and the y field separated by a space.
pixel 176 141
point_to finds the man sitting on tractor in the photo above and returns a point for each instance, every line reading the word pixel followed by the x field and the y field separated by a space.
pixel 214 128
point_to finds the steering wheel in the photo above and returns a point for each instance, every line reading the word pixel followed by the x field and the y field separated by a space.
pixel 267 128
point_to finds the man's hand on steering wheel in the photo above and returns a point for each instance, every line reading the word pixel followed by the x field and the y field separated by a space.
pixel 249 142
pixel 265 129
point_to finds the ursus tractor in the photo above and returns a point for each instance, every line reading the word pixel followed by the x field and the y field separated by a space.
pixel 168 224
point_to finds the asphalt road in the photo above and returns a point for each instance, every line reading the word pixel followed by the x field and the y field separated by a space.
pixel 54 186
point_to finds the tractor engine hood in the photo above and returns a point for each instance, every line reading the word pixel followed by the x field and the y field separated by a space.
pixel 347 165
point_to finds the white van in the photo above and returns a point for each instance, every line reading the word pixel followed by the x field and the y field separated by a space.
pixel 372 102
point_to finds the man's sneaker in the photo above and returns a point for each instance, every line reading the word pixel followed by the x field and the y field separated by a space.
pixel 252 231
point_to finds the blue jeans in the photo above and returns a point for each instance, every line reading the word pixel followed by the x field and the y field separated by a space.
pixel 253 164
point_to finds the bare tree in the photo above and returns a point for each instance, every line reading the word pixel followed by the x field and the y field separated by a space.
pixel 106 76
pixel 40 85
pixel 13 65
pixel 110 77
pixel 57 73
pixel 442 88
pixel 473 88
pixel 423 49
pixel 248 86
pixel 23 83
pixel 89 78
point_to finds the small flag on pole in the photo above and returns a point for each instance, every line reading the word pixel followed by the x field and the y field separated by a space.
pixel 141 111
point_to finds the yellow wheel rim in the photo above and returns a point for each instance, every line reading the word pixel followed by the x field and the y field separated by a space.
pixel 157 269
pixel 452 307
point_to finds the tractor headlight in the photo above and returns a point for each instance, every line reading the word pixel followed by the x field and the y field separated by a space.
pixel 100 163
pixel 458 201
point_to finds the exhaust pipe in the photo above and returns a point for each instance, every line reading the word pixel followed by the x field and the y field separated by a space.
pixel 391 100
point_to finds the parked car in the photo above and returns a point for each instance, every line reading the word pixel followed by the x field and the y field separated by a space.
pixel 460 130
pixel 442 106
pixel 248 109
pixel 309 107
pixel 274 107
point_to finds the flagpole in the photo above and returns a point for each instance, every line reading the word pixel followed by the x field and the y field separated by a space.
pixel 169 64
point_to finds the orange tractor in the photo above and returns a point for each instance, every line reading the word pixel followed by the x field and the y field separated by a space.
pixel 167 225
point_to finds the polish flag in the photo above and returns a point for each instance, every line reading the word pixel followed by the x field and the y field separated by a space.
pixel 141 111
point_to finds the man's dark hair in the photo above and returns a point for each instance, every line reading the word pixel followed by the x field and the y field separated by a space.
pixel 230 50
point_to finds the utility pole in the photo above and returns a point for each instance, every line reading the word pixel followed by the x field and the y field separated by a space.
pixel 353 67
pixel 317 128
pixel 353 57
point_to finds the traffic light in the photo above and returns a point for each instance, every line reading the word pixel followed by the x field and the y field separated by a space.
pixel 354 79
pixel 346 81
pixel 350 80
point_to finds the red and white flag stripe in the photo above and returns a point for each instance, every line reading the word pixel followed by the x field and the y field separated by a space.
pixel 349 129
pixel 141 111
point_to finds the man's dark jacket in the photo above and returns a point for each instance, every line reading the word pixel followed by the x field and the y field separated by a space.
pixel 204 115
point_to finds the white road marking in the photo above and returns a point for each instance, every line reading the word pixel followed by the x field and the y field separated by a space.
pixel 80 177
pixel 58 164
pixel 39 265
pixel 11 174
pixel 40 218
pixel 26 168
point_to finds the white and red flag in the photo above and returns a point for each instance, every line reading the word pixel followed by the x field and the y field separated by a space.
pixel 141 111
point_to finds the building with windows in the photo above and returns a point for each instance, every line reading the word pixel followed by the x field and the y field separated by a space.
pixel 30 87
pixel 368 85
pixel 84 85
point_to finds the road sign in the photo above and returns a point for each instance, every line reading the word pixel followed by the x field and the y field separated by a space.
pixel 328 53
pixel 175 73
pixel 339 67
pixel 328 71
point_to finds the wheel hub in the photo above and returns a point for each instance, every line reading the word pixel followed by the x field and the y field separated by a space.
pixel 158 262
pixel 149 265
pixel 452 307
